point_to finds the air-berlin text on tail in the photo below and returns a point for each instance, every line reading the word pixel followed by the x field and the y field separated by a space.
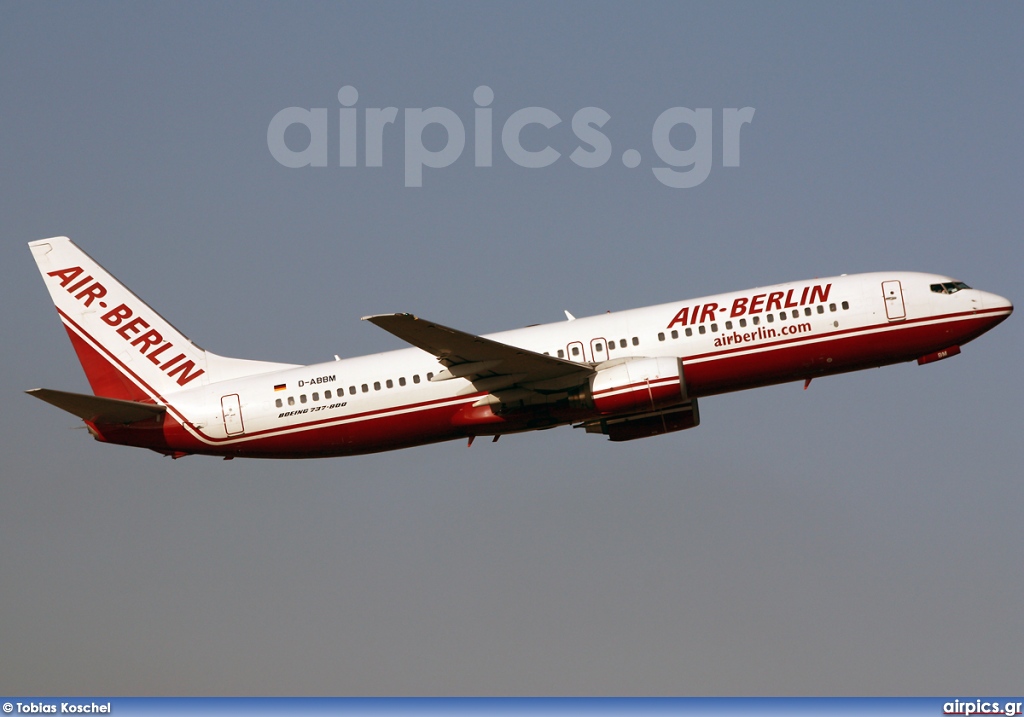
pixel 131 328
pixel 684 168
pixel 750 305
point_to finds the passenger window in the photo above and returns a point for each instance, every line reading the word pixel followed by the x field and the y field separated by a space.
pixel 561 354
pixel 291 400
pixel 675 334
pixel 416 378
pixel 316 395
pixel 401 380
pixel 807 311
pixel 327 395
pixel 278 403
pixel 701 329
pixel 756 320
pixel 714 327
pixel 302 398
pixel 661 336
pixel 622 343
pixel 575 350
pixel 782 316
pixel 430 375
pixel 636 341
pixel 366 389
pixel 689 331
pixel 770 317
pixel 743 323
pixel 728 326
pixel 831 307
pixel 376 385
pixel 351 390
pixel 599 346
pixel 390 383
pixel 821 309
pixel 796 313
pixel 846 305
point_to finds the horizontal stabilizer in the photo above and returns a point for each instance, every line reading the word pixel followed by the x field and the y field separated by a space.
pixel 98 409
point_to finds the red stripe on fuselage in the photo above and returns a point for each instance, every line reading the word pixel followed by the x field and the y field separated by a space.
pixel 992 317
pixel 746 367
pixel 188 430
pixel 709 373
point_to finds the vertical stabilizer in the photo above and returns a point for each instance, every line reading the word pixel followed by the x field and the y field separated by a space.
pixel 127 349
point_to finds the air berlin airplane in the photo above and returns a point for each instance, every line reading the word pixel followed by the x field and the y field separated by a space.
pixel 627 374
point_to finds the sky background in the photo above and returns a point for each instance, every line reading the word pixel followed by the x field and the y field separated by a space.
pixel 862 537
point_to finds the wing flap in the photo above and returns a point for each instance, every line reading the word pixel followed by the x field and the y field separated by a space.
pixel 98 409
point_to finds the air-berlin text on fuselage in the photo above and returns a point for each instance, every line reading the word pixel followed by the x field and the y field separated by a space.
pixel 749 305
pixel 130 327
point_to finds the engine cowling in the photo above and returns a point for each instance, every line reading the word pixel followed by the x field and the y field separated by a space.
pixel 638 398
pixel 638 386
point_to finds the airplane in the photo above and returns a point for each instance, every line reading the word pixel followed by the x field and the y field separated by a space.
pixel 626 374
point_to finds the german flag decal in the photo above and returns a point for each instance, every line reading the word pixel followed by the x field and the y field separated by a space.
pixel 280 387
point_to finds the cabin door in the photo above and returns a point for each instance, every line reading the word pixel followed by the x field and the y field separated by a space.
pixel 232 411
pixel 894 307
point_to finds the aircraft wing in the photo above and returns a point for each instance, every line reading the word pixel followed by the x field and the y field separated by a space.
pixel 98 408
pixel 490 365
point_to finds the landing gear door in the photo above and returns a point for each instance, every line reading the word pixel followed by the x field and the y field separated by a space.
pixel 232 411
pixel 893 294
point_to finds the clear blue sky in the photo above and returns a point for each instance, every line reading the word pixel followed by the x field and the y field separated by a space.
pixel 862 537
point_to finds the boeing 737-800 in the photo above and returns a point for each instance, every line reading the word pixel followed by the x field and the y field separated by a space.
pixel 626 374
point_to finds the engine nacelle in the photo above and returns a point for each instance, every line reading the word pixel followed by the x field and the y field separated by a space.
pixel 629 428
pixel 638 398
pixel 638 385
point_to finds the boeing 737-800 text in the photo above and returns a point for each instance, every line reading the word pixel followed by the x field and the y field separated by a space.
pixel 627 374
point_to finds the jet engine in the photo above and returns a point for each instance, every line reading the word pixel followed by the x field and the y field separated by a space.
pixel 636 398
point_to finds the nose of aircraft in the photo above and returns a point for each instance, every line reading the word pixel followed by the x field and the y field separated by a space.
pixel 994 301
pixel 995 307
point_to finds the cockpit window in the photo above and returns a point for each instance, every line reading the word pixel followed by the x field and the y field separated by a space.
pixel 949 287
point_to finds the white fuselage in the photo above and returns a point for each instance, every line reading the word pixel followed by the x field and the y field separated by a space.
pixel 721 340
